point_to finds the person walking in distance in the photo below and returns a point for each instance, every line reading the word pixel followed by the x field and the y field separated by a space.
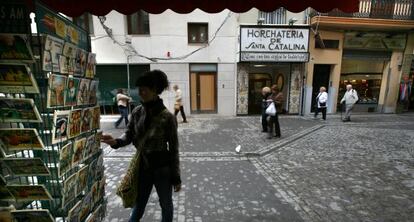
pixel 153 131
pixel 122 102
pixel 277 98
pixel 350 98
pixel 266 92
pixel 321 101
pixel 178 106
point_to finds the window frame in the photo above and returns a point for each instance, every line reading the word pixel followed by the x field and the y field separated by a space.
pixel 198 34
pixel 88 22
pixel 129 25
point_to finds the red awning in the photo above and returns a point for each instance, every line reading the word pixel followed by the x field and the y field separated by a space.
pixel 75 8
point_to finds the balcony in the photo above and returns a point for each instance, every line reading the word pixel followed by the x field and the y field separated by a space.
pixel 379 9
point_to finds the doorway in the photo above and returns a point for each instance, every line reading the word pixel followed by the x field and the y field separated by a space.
pixel 321 75
pixel 203 89
pixel 256 84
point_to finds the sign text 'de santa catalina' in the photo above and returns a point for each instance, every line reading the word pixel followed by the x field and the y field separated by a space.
pixel 274 44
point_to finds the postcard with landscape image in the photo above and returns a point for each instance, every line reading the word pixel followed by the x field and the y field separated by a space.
pixel 27 166
pixel 71 91
pixel 74 122
pixel 65 159
pixel 17 78
pixel 96 117
pixel 60 126
pixel 29 192
pixel 18 110
pixel 19 139
pixel 82 180
pixel 56 90
pixel 15 47
pixel 69 189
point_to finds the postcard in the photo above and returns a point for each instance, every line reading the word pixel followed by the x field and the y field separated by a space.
pixel 60 126
pixel 18 139
pixel 95 193
pixel 29 192
pixel 96 117
pixel 27 166
pixel 83 92
pixel 74 123
pixel 80 62
pixel 71 91
pixel 99 170
pixel 69 189
pixel 73 214
pixel 55 46
pixel 17 78
pixel 32 215
pixel 89 147
pixel 15 47
pixel 82 180
pixel 69 50
pixel 98 137
pixel 65 159
pixel 18 110
pixel 91 171
pixel 93 89
pixel 71 65
pixel 60 28
pixel 56 90
pixel 91 66
pixel 101 190
pixel 85 207
pixel 47 61
pixel 63 64
pixel 5 194
pixel 86 120
pixel 78 148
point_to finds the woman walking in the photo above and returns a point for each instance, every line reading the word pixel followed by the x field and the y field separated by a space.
pixel 266 92
pixel 321 105
pixel 153 131
pixel 277 98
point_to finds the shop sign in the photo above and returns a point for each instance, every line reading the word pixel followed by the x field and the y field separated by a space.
pixel 14 18
pixel 51 23
pixel 377 41
pixel 274 44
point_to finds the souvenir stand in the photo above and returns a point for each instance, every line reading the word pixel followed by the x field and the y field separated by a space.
pixel 50 155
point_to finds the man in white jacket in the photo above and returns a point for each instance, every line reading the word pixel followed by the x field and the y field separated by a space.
pixel 321 101
pixel 179 103
pixel 350 98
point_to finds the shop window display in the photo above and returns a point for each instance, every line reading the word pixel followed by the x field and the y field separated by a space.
pixel 368 86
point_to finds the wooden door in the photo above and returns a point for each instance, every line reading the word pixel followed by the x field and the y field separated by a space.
pixel 203 87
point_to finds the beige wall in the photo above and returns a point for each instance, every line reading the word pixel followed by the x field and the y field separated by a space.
pixel 324 56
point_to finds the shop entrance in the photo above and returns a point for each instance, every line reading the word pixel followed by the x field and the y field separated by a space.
pixel 321 75
pixel 256 84
pixel 203 87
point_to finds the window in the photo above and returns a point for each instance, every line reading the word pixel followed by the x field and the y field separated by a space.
pixel 275 17
pixel 138 23
pixel 197 32
pixel 327 44
pixel 84 21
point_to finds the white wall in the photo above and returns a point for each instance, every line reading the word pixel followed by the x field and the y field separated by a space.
pixel 168 33
pixel 226 89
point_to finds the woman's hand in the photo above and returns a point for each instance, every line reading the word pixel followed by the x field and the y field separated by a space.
pixel 177 187
pixel 108 139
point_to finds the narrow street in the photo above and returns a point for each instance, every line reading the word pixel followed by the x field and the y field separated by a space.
pixel 318 171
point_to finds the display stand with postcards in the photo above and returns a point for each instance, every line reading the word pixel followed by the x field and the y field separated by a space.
pixel 50 152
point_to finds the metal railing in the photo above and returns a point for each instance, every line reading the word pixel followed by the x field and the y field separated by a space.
pixel 378 9
pixel 275 17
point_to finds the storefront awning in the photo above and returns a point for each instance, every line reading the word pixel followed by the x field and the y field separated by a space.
pixel 75 8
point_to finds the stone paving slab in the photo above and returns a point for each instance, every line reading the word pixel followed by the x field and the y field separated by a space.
pixel 351 174
pixel 212 191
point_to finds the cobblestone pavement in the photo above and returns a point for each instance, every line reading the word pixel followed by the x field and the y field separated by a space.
pixel 318 171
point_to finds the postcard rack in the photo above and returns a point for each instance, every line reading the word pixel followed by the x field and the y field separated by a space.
pixel 50 156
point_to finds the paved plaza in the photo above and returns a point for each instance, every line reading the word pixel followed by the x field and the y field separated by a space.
pixel 318 171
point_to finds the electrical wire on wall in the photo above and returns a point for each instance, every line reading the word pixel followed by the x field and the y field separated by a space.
pixel 128 48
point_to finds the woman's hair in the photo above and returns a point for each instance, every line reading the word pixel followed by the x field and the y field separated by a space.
pixel 323 88
pixel 155 79
pixel 266 89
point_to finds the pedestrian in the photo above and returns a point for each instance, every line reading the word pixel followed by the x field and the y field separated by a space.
pixel 350 98
pixel 273 120
pixel 122 102
pixel 153 131
pixel 321 101
pixel 266 92
pixel 178 106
